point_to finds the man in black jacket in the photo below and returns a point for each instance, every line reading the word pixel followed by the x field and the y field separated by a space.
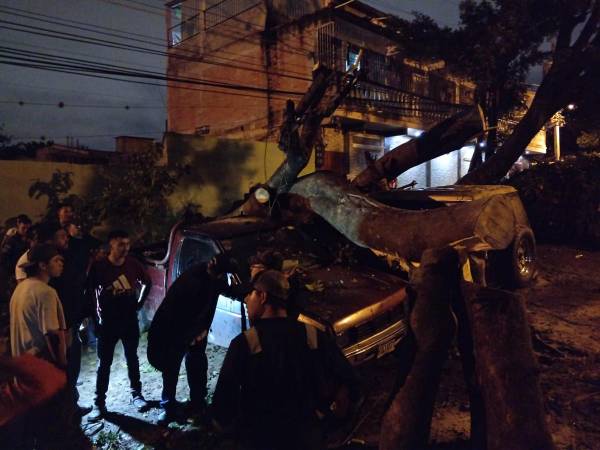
pixel 270 389
pixel 179 330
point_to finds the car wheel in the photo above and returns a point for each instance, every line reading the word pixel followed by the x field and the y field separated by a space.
pixel 522 258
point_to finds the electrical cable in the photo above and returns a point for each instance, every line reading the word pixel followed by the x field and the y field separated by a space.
pixel 112 69
pixel 122 46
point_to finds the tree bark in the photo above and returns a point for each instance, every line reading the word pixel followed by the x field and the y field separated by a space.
pixel 507 371
pixel 300 131
pixel 407 422
pixel 404 234
pixel 446 136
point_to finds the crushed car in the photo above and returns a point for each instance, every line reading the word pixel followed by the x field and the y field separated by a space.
pixel 341 288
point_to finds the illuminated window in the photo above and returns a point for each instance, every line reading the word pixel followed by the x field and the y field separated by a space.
pixel 352 57
pixel 175 36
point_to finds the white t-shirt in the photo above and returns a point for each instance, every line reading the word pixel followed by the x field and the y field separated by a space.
pixel 34 311
pixel 20 273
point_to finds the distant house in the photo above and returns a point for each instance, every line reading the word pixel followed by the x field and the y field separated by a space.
pixel 74 153
pixel 245 58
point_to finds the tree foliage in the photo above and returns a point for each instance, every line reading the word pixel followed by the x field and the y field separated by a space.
pixel 9 150
pixel 570 77
pixel 131 195
pixel 562 200
pixel 57 191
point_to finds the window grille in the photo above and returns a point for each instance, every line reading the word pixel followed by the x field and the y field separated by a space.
pixel 325 51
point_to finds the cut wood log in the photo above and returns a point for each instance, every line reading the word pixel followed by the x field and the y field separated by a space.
pixel 407 422
pixel 448 135
pixel 403 234
pixel 507 371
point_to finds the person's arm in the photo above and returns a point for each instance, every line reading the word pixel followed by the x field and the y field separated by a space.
pixel 226 402
pixel 52 324
pixel 340 366
pixel 89 292
pixel 146 284
pixel 25 382
pixel 56 341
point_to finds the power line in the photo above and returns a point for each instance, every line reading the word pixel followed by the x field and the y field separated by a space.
pixel 114 78
pixel 111 69
pixel 62 104
pixel 112 44
pixel 58 21
pixel 48 137
pixel 162 41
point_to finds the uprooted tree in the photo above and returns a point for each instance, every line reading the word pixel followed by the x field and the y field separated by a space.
pixel 493 335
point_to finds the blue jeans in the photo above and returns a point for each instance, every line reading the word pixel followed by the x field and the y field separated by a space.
pixel 196 365
pixel 108 336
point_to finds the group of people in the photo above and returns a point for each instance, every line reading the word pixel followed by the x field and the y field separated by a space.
pixel 275 386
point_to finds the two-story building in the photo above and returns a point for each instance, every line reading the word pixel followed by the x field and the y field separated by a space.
pixel 232 65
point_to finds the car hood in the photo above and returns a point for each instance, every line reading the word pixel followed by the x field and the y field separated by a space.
pixel 345 297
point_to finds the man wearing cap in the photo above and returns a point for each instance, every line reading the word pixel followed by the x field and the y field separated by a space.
pixel 179 330
pixel 268 388
pixel 38 328
pixel 118 285
pixel 37 322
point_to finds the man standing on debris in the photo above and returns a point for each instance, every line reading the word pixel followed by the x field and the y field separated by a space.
pixel 119 285
pixel 179 330
pixel 270 385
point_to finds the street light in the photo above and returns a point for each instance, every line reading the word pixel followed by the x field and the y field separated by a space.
pixel 558 120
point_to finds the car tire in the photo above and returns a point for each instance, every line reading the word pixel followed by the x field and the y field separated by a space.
pixel 522 259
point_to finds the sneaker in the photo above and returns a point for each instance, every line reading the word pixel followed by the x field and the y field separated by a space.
pixel 197 413
pixel 167 416
pixel 140 403
pixel 98 412
pixel 92 428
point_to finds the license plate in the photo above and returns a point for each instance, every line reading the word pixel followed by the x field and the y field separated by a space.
pixel 384 349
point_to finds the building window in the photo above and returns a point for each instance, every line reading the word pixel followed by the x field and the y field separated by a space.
pixel 185 21
pixel 352 57
pixel 175 36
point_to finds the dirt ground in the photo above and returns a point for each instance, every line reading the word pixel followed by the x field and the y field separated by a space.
pixel 564 310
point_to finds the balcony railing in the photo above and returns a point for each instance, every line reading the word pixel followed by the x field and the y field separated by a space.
pixel 225 10
pixel 403 103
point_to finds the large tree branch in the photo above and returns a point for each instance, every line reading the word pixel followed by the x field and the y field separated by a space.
pixel 559 87
pixel 403 234
pixel 444 137
pixel 301 129
pixel 589 29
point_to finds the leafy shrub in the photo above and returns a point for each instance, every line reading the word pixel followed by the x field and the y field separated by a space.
pixel 562 200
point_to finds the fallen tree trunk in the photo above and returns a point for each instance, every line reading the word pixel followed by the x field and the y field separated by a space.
pixel 478 225
pixel 506 369
pixel 448 135
pixel 407 422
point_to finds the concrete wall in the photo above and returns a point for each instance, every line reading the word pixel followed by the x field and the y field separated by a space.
pixel 222 170
pixel 17 176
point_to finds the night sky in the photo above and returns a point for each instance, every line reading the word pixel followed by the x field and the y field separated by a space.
pixel 94 110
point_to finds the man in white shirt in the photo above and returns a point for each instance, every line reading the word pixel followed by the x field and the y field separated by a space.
pixel 37 322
